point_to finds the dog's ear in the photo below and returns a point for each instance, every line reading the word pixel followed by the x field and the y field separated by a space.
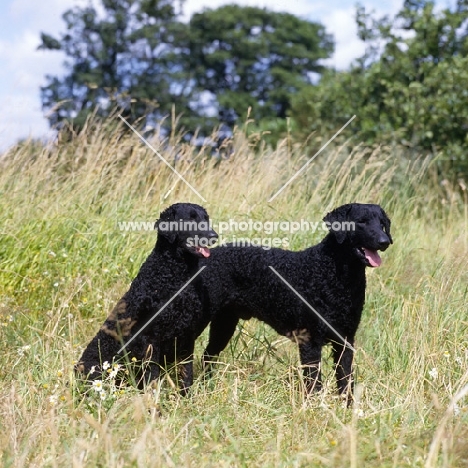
pixel 338 215
pixel 163 225
pixel 385 220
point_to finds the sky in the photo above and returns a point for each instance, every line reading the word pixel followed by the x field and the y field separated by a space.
pixel 24 68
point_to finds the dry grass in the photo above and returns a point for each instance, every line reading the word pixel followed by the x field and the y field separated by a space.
pixel 64 262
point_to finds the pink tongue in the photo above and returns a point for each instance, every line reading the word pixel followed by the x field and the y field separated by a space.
pixel 373 257
pixel 204 251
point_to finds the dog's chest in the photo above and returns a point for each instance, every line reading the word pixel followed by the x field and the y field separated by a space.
pixel 337 288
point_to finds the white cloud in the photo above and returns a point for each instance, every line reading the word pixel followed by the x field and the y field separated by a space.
pixel 347 45
pixel 45 12
pixel 25 68
pixel 21 118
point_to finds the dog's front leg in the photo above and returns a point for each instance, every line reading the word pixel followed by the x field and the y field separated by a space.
pixel 186 373
pixel 151 368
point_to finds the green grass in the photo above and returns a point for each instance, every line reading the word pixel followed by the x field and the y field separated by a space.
pixel 64 264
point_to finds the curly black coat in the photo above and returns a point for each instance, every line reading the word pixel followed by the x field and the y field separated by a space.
pixel 329 276
pixel 136 323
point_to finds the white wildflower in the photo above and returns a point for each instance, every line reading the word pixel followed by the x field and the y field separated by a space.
pixel 115 370
pixel 23 349
pixel 105 365
pixel 359 413
pixel 97 385
pixel 53 399
pixel 433 373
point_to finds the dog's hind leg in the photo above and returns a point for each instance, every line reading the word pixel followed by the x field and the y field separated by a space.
pixel 222 329
pixel 185 368
pixel 311 355
pixel 343 358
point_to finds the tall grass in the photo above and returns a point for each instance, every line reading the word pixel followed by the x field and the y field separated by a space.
pixel 64 263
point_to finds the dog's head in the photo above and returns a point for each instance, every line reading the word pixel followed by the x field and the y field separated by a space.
pixel 364 228
pixel 187 226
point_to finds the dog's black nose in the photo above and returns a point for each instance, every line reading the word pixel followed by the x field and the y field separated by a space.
pixel 383 242
pixel 212 236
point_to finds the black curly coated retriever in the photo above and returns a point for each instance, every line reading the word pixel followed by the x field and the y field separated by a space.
pixel 329 276
pixel 136 323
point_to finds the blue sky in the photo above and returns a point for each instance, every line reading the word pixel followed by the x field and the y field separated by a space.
pixel 24 68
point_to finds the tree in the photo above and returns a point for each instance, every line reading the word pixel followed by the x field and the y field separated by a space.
pixel 253 57
pixel 140 58
pixel 128 59
pixel 409 87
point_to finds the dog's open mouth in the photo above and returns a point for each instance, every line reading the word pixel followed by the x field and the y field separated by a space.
pixel 201 251
pixel 372 257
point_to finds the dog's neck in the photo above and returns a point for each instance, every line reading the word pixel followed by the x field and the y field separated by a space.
pixel 174 250
pixel 341 252
pixel 348 268
pixel 163 245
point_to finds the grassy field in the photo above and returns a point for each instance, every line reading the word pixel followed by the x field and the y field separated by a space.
pixel 64 262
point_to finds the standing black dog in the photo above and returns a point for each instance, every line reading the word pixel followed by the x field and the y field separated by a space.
pixel 136 323
pixel 330 276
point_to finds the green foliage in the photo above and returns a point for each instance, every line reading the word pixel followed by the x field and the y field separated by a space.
pixel 127 59
pixel 139 58
pixel 254 58
pixel 411 91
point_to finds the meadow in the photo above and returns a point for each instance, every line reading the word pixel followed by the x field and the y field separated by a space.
pixel 64 263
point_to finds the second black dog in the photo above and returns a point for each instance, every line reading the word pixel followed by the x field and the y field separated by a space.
pixel 329 276
pixel 137 323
